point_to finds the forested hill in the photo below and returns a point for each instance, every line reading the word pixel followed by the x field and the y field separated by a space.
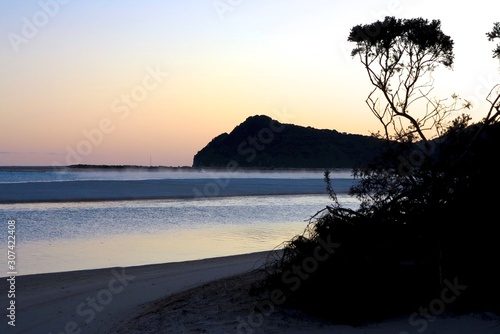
pixel 266 143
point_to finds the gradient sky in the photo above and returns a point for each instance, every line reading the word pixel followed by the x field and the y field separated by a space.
pixel 118 82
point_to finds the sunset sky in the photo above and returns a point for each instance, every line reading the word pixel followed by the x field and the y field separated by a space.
pixel 118 82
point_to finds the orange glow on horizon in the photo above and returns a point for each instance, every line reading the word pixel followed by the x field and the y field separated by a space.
pixel 165 78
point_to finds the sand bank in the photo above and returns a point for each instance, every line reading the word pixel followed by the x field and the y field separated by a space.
pixel 70 191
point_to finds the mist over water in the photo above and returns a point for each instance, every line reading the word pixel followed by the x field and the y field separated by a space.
pixel 47 174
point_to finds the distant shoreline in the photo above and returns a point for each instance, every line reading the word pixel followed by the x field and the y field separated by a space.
pixel 166 168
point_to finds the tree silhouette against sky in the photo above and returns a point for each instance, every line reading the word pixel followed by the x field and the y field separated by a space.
pixel 414 231
pixel 494 96
pixel 399 56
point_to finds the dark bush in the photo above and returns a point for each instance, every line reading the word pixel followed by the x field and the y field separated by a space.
pixel 394 255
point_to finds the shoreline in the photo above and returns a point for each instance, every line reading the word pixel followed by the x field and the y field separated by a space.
pixel 143 267
pixel 95 300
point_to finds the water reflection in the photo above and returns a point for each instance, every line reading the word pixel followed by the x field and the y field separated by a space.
pixel 71 236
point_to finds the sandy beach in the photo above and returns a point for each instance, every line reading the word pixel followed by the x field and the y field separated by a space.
pixel 204 296
pixel 97 300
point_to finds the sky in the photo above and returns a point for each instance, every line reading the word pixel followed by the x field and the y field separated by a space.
pixel 152 82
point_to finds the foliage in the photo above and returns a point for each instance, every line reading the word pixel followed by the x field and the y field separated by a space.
pixel 492 35
pixel 427 215
pixel 494 96
pixel 261 142
pixel 399 56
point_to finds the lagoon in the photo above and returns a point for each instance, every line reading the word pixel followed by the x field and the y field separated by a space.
pixel 67 235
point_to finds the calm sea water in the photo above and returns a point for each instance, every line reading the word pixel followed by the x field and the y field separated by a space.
pixel 68 236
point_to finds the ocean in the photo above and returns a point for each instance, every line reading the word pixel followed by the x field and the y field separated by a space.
pixel 202 215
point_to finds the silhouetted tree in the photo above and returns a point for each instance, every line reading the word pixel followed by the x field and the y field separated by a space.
pixel 492 35
pixel 399 56
pixel 494 95
pixel 426 212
